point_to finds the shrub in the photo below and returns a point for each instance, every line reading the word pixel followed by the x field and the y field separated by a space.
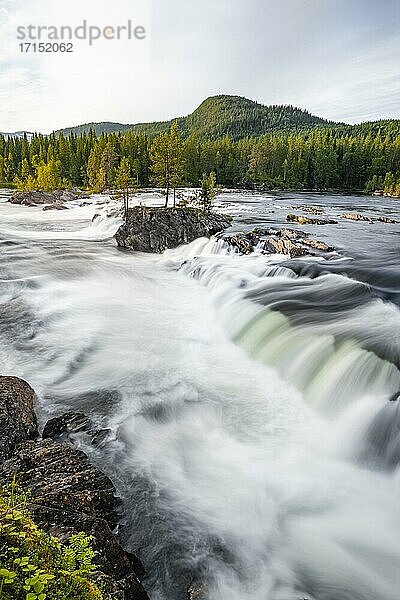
pixel 35 565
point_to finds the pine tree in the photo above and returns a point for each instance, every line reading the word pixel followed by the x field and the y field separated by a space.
pixel 167 161
pixel 208 191
pixel 124 184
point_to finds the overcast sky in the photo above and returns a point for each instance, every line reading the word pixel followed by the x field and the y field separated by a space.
pixel 340 59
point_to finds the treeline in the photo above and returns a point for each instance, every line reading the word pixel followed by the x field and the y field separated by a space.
pixel 320 159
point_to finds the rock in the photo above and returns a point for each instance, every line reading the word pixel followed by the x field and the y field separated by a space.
pixel 56 198
pixel 198 591
pixel 55 206
pixel 317 245
pixel 240 243
pixel 359 217
pixel 70 426
pixel 156 229
pixel 62 479
pixel 292 233
pixel 308 220
pixel 285 246
pixel 68 495
pixel 18 421
pixel 311 210
pixel 284 241
pixel 384 219
pixel 356 217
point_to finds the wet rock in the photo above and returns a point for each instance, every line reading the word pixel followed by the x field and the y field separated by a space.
pixel 55 206
pixel 68 495
pixel 308 220
pixel 356 217
pixel 60 427
pixel 282 241
pixel 38 197
pixel 384 219
pixel 359 217
pixel 156 229
pixel 285 246
pixel 17 415
pixel 317 245
pixel 241 243
pixel 198 591
pixel 62 478
pixel 311 210
pixel 70 426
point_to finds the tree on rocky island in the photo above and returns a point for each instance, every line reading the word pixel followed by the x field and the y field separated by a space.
pixel 167 164
pixel 124 184
pixel 208 191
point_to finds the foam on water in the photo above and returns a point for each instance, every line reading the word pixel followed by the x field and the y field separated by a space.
pixel 252 440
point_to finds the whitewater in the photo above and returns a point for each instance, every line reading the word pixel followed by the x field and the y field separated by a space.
pixel 251 401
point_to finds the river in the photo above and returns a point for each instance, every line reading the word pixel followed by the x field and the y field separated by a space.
pixel 254 431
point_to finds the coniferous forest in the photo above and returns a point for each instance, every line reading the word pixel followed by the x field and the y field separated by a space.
pixel 296 151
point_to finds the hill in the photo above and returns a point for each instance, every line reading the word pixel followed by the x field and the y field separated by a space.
pixel 219 116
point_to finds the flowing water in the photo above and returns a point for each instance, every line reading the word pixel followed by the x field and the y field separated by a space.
pixel 251 401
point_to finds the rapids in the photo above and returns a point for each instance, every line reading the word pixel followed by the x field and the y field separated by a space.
pixel 251 400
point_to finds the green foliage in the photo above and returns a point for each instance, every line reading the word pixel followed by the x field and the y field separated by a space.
pixel 33 564
pixel 124 184
pixel 297 153
pixel 208 191
pixel 167 165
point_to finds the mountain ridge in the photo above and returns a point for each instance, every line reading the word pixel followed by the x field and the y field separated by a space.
pixel 217 116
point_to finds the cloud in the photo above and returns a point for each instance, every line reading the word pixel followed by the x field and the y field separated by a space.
pixel 338 58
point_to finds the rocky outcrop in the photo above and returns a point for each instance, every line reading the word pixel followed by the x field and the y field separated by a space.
pixel 157 229
pixel 68 494
pixel 17 414
pixel 51 200
pixel 281 241
pixel 359 217
pixel 308 220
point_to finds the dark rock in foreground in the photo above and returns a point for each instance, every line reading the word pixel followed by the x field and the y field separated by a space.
pixel 52 200
pixel 71 427
pixel 68 494
pixel 17 414
pixel 157 229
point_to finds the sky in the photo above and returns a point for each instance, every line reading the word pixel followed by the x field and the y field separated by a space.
pixel 339 59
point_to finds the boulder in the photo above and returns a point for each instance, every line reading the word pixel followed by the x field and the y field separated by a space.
pixel 71 426
pixel 68 495
pixel 282 241
pixel 285 246
pixel 308 220
pixel 384 219
pixel 356 217
pixel 151 229
pixel 198 591
pixel 39 197
pixel 18 421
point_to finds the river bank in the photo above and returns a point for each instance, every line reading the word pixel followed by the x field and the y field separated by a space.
pixel 66 493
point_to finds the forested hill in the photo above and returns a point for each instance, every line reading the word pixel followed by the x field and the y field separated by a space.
pixel 219 116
